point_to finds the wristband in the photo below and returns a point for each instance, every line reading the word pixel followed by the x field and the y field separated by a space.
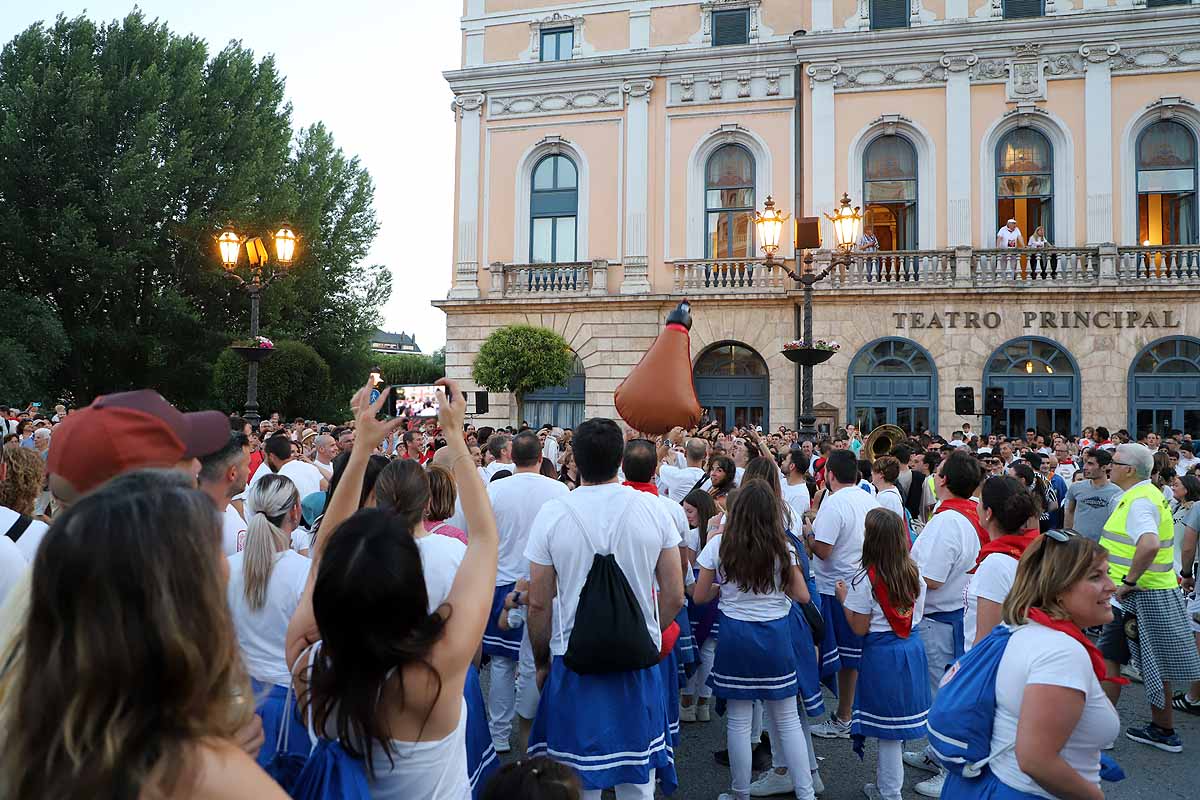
pixel 1125 582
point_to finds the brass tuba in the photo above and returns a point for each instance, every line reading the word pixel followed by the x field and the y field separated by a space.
pixel 882 440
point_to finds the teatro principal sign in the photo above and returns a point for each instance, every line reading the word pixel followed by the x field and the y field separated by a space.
pixel 1041 320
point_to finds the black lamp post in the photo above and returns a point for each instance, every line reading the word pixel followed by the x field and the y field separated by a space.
pixel 229 244
pixel 847 224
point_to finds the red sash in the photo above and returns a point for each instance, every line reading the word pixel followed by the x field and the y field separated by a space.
pixel 901 623
pixel 1013 545
pixel 1071 629
pixel 970 510
pixel 642 487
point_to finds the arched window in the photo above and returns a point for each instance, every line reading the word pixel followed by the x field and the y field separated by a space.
pixel 893 381
pixel 890 192
pixel 1164 382
pixel 563 406
pixel 729 203
pixel 1025 181
pixel 1166 184
pixel 1041 387
pixel 553 206
pixel 733 385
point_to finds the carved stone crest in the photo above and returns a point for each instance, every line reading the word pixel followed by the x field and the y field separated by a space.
pixel 1026 75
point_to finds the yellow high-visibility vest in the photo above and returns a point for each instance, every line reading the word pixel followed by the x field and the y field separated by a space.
pixel 1121 545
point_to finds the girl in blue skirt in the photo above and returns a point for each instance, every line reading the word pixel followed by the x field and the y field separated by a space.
pixel 701 512
pixel 883 603
pixel 755 571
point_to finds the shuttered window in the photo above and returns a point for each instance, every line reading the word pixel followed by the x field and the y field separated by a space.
pixel 1154 3
pixel 557 44
pixel 889 14
pixel 731 27
pixel 1018 9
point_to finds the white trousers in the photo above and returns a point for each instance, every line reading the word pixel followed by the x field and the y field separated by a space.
pixel 777 753
pixel 889 772
pixel 787 735
pixel 625 791
pixel 938 639
pixel 527 689
pixel 698 684
pixel 502 698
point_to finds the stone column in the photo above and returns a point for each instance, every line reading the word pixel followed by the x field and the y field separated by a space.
pixel 637 185
pixel 1097 107
pixel 823 175
pixel 469 108
pixel 959 148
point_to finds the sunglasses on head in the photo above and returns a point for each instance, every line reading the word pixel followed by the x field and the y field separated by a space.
pixel 1062 534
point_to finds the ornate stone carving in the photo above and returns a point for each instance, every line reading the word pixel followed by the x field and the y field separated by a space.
pixel 743 79
pixel 714 86
pixel 1169 105
pixel 638 87
pixel 1098 53
pixel 958 62
pixel 882 75
pixel 1025 113
pixel 555 20
pixel 772 82
pixel 890 123
pixel 467 103
pixel 822 73
pixel 1164 57
pixel 687 89
pixel 1061 65
pixel 1026 74
pixel 598 98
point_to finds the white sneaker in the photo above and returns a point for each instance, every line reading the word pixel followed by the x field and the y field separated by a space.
pixel 818 784
pixel 931 787
pixel 687 713
pixel 772 783
pixel 918 759
pixel 703 712
pixel 832 728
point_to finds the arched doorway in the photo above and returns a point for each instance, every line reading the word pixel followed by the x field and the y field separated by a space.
pixel 1041 387
pixel 1164 382
pixel 733 385
pixel 893 381
pixel 563 406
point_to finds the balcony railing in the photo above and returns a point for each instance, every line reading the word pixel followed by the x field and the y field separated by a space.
pixel 908 267
pixel 729 275
pixel 1158 265
pixel 1021 267
pixel 571 279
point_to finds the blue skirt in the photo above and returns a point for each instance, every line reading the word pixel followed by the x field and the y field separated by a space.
pixel 685 645
pixel 669 667
pixel 986 787
pixel 703 617
pixel 610 729
pixel 272 708
pixel 482 760
pixel 842 647
pixel 892 697
pixel 506 644
pixel 754 661
pixel 808 673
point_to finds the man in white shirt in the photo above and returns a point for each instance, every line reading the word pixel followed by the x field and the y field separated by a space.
pixel 516 502
pixel 1010 235
pixel 549 444
pixel 589 720
pixel 794 487
pixel 675 482
pixel 837 541
pixel 279 458
pixel 1066 467
pixel 223 477
pixel 326 449
pixel 945 552
pixel 500 446
pixel 1187 458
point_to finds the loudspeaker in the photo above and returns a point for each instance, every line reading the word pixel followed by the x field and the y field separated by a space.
pixel 993 401
pixel 481 402
pixel 964 401
pixel 808 233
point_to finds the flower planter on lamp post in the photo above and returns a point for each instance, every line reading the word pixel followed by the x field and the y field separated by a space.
pixel 808 356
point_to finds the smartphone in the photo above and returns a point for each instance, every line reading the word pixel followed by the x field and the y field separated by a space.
pixel 419 402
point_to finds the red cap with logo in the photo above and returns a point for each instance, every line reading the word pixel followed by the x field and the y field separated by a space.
pixel 121 432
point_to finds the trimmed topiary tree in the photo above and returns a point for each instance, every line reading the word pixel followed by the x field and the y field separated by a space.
pixel 522 359
pixel 294 381
pixel 409 370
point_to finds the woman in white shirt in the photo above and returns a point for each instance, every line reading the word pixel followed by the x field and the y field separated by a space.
pixel 702 512
pixel 1009 512
pixel 884 472
pixel 1038 240
pixel 266 580
pixel 1052 718
pixel 757 575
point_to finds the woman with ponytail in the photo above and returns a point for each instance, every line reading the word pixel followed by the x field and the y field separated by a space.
pixel 1009 513
pixel 266 580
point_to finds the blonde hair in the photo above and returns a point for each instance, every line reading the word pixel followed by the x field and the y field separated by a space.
pixel 1047 570
pixel 267 504
pixel 26 476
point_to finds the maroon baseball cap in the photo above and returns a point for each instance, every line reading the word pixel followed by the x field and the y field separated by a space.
pixel 126 431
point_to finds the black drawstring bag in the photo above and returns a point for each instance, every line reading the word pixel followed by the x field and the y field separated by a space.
pixel 610 632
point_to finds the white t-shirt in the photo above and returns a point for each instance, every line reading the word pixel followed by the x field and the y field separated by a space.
pixel 891 500
pixel 302 539
pixel 550 450
pixel 1066 471
pixel 840 522
pixel 797 499
pixel 233 531
pixel 1143 515
pixel 1040 655
pixel 676 516
pixel 1009 238
pixel 326 470
pixel 29 542
pixel 12 566
pixel 675 483
pixel 306 477
pixel 746 606
pixel 261 632
pixel 440 559
pixel 516 502
pixel 861 599
pixel 692 540
pixel 991 581
pixel 945 551
pixel 494 467
pixel 557 541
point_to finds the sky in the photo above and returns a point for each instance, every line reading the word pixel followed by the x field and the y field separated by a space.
pixel 371 71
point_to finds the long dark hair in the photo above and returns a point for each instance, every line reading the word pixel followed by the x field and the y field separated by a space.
pixel 403 489
pixel 1010 501
pixel 372 609
pixel 885 547
pixel 754 550
pixel 375 465
pixel 766 469
pixel 706 507
pixel 730 469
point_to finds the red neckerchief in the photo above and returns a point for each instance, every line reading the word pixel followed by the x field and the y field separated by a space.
pixel 1071 629
pixel 642 487
pixel 1013 545
pixel 901 623
pixel 970 510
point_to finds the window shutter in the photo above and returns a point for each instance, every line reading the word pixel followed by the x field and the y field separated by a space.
pixel 1155 3
pixel 1017 9
pixel 889 14
pixel 731 27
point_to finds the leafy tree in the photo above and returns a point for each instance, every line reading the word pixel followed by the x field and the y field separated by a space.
pixel 123 147
pixel 32 343
pixel 522 359
pixel 288 381
pixel 410 370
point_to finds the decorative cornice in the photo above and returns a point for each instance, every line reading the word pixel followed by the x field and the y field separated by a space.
pixel 1156 58
pixel 730 87
pixel 575 100
pixel 886 75
pixel 467 103
pixel 1169 105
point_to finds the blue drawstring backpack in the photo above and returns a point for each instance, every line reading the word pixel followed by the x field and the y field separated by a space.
pixel 964 710
pixel 331 774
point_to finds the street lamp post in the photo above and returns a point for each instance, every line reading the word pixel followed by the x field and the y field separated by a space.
pixel 847 225
pixel 229 244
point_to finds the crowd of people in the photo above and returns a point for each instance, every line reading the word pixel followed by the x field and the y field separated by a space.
pixel 198 606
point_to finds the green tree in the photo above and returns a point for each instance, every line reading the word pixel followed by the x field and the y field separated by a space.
pixel 410 370
pixel 288 381
pixel 123 147
pixel 32 343
pixel 522 359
